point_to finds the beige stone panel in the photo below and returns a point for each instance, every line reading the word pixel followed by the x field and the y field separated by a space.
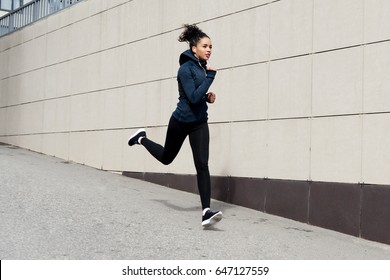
pixel 221 109
pixel 53 22
pixel 154 96
pixel 5 139
pixel 3 95
pixel 219 159
pixel 12 140
pixel 17 55
pixel 5 43
pixel 4 92
pixel 337 23
pixel 25 34
pixel 4 58
pixel 168 100
pixel 376 78
pixel 147 60
pixel 137 25
pixel 82 37
pixel 58 45
pixel 94 78
pixel 13 124
pixel 62 145
pixel 132 22
pixel 13 87
pixel 101 6
pixel 134 157
pixel 113 27
pixel 24 87
pixel 253 44
pixel 49 144
pixel 80 11
pixel 249 86
pixel 78 112
pixel 25 142
pixel 376 20
pixel 34 54
pixel 95 109
pixel 376 151
pixel 222 36
pixel 115 3
pixel 134 106
pixel 113 108
pixel 203 10
pixel 80 74
pixel 95 7
pixel 338 82
pixel 49 116
pixel 16 38
pixel 63 79
pixel 94 149
pixel 249 155
pixel 94 33
pixel 161 100
pixel 169 64
pixel 289 149
pixel 50 82
pixel 32 117
pixel 32 85
pixel 181 18
pixel 136 70
pixel 3 121
pixel 31 142
pixel 336 149
pixel 291 28
pixel 27 91
pixel 77 146
pixel 229 6
pixel 63 117
pixel 113 150
pixel 113 71
pixel 39 28
pixel 290 87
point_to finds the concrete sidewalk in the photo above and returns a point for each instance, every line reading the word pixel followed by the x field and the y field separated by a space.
pixel 53 209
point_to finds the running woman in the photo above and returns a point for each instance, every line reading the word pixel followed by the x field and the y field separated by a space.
pixel 190 117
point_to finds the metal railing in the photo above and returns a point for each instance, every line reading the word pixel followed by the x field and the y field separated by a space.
pixel 31 12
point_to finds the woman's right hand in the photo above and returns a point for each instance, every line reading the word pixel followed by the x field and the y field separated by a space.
pixel 211 97
pixel 212 68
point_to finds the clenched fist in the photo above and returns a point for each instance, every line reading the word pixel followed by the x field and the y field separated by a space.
pixel 211 97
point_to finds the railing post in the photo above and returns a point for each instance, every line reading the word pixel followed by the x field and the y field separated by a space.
pixel 11 23
pixel 35 10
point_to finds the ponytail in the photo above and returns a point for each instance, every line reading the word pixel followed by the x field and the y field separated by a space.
pixel 191 34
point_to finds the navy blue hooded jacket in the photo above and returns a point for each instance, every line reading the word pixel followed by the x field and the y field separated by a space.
pixel 194 81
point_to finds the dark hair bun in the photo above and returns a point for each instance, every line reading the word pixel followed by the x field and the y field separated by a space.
pixel 191 34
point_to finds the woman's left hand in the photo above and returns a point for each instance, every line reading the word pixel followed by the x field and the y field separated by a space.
pixel 211 97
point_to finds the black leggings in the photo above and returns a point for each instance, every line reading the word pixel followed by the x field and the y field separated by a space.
pixel 199 140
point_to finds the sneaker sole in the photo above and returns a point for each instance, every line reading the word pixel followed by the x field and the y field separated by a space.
pixel 213 220
pixel 135 134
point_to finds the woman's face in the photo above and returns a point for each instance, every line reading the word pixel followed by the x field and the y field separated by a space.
pixel 203 49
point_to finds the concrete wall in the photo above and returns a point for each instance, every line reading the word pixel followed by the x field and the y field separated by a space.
pixel 302 93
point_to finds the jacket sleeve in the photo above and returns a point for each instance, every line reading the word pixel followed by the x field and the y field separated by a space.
pixel 195 94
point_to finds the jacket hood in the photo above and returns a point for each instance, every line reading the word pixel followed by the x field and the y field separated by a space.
pixel 188 55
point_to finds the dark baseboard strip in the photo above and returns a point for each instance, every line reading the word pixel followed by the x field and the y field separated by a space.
pixel 360 210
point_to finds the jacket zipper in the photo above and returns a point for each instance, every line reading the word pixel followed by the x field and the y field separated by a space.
pixel 204 70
